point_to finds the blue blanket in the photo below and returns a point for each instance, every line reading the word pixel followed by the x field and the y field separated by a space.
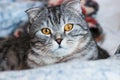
pixel 12 15
pixel 76 70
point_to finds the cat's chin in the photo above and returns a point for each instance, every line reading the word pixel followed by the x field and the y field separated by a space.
pixel 61 52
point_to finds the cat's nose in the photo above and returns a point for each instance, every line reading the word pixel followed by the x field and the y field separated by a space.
pixel 59 40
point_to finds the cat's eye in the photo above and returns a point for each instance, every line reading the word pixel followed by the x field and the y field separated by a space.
pixel 46 31
pixel 68 27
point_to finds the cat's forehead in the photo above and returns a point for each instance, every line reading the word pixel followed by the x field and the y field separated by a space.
pixel 54 8
pixel 58 13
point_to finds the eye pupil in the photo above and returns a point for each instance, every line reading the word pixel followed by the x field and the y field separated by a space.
pixel 69 27
pixel 46 30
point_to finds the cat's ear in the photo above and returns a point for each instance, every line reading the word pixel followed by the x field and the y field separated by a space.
pixel 74 4
pixel 32 13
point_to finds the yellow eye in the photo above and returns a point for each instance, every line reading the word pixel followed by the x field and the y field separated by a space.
pixel 68 27
pixel 46 31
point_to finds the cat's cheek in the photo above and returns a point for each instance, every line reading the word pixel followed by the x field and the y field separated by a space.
pixel 54 45
pixel 66 44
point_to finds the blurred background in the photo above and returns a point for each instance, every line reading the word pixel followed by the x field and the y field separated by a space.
pixel 109 18
pixel 13 16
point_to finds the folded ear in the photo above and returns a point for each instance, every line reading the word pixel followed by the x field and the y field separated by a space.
pixel 74 4
pixel 32 13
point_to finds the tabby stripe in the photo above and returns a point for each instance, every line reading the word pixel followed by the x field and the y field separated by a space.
pixel 34 53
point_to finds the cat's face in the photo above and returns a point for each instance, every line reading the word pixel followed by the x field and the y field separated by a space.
pixel 58 31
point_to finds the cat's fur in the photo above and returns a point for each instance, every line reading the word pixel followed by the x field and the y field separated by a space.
pixel 75 44
pixel 13 53
pixel 59 46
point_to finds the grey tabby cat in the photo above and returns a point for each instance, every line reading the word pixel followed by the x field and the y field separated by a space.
pixel 60 34
pixel 55 34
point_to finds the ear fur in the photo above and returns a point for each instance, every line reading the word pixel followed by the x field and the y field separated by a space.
pixel 32 13
pixel 74 4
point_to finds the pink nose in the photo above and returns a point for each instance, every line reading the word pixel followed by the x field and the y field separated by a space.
pixel 59 40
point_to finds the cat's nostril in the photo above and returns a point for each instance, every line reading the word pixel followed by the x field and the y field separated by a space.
pixel 59 40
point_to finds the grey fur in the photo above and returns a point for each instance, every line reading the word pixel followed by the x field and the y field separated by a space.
pixel 75 44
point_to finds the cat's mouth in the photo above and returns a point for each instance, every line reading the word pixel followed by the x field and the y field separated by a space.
pixel 61 51
pixel 60 46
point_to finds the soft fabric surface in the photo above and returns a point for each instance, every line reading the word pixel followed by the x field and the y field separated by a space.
pixel 12 15
pixel 109 18
pixel 76 70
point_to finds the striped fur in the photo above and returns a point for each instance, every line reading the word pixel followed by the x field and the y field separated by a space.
pixel 75 44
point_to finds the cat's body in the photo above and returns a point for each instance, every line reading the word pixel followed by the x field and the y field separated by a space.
pixel 59 34
pixel 13 53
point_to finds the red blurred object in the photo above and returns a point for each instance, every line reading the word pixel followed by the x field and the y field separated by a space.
pixel 55 2
pixel 83 10
pixel 91 20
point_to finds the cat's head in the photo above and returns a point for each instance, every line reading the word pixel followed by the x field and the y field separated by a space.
pixel 58 31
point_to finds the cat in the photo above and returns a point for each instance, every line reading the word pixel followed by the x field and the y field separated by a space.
pixel 54 35
pixel 60 34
